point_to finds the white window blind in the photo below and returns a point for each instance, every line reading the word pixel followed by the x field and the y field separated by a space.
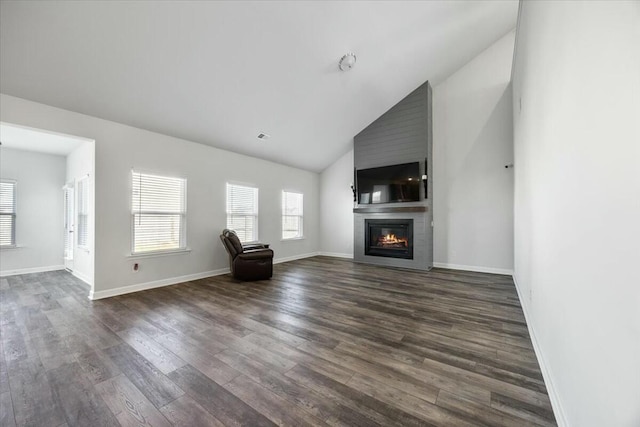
pixel 158 212
pixel 292 213
pixel 7 213
pixel 242 211
pixel 83 213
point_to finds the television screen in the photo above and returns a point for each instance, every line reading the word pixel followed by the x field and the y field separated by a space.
pixel 389 184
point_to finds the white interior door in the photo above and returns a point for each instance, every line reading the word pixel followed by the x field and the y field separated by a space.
pixel 69 224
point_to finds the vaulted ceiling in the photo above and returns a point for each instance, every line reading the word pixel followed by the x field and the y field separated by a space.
pixel 219 73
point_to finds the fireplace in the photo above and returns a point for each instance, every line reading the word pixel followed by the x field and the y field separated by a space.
pixel 389 238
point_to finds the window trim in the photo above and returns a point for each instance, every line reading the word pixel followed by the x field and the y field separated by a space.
pixel 155 254
pixel 301 236
pixel 183 248
pixel 256 214
pixel 14 215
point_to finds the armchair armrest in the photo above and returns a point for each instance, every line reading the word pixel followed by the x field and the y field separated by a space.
pixel 251 246
pixel 256 254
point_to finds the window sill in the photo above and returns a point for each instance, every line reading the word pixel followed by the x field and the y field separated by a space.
pixel 11 247
pixel 292 239
pixel 160 253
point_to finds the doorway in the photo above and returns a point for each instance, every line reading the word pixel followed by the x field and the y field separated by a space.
pixel 54 229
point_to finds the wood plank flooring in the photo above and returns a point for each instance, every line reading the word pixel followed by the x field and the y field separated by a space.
pixel 325 342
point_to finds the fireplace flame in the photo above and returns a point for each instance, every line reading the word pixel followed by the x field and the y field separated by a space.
pixel 393 241
pixel 390 238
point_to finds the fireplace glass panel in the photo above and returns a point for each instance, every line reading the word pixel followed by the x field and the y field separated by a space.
pixel 389 238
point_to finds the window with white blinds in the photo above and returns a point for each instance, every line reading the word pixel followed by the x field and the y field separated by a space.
pixel 242 211
pixel 292 212
pixel 159 207
pixel 82 229
pixel 7 213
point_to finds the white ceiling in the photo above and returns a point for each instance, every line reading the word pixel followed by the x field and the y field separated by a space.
pixel 219 73
pixel 22 138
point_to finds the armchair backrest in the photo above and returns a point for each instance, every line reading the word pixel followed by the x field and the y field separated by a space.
pixel 231 242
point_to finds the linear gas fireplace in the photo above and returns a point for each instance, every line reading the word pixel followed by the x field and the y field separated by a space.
pixel 389 238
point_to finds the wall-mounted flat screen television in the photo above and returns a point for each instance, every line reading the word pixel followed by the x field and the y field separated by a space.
pixel 389 184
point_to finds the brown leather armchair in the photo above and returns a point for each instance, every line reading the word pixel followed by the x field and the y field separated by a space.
pixel 250 262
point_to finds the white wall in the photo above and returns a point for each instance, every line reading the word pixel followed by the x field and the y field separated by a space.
pixel 39 211
pixel 336 208
pixel 80 164
pixel 473 192
pixel 118 148
pixel 577 203
pixel 473 141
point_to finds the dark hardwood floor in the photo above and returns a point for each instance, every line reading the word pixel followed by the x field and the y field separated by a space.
pixel 325 342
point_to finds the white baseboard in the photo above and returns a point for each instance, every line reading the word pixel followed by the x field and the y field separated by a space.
pixel 5 273
pixel 82 277
pixel 475 268
pixel 558 411
pixel 93 295
pixel 293 258
pixel 155 284
pixel 336 255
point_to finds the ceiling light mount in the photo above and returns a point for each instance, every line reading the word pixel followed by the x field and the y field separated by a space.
pixel 263 136
pixel 347 62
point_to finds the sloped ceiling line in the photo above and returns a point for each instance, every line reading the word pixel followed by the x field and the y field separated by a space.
pixel 219 73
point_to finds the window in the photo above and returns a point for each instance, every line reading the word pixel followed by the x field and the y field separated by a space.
pixel 158 212
pixel 292 215
pixel 242 211
pixel 83 213
pixel 7 213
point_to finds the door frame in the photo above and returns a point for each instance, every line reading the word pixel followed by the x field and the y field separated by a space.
pixel 69 206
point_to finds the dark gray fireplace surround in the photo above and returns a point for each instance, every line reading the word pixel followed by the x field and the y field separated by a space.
pixel 401 135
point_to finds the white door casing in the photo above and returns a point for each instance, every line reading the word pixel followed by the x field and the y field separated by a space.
pixel 69 224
